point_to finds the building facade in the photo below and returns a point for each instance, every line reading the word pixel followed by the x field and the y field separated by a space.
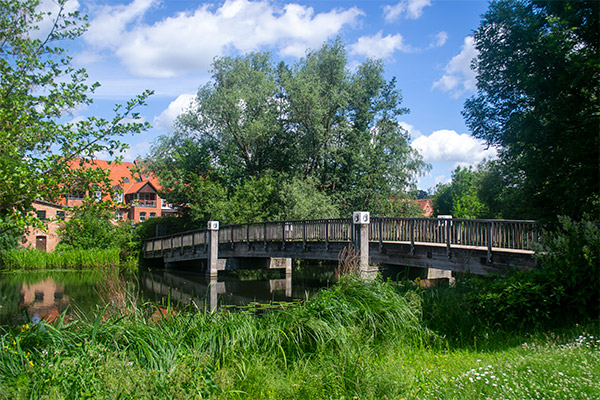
pixel 136 193
pixel 52 215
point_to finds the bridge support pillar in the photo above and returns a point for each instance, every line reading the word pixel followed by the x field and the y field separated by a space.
pixel 212 263
pixel 361 221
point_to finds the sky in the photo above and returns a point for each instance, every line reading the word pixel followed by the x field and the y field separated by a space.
pixel 168 46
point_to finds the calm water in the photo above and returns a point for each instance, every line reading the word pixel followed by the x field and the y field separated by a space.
pixel 31 296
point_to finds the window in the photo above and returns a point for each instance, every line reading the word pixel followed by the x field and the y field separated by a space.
pixel 126 180
pixel 119 197
pixel 76 196
pixel 60 215
pixel 98 195
pixel 118 215
pixel 142 216
pixel 41 214
pixel 152 215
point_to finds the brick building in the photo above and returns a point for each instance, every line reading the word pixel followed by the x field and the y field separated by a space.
pixel 135 192
pixel 52 215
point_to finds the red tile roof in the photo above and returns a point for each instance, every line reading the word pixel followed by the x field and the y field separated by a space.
pixel 121 175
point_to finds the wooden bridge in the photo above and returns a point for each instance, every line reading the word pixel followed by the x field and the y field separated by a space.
pixel 449 244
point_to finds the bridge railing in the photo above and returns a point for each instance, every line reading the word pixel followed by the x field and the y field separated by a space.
pixel 339 229
pixel 506 234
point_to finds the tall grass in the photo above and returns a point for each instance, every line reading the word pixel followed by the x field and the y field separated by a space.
pixel 358 339
pixel 32 259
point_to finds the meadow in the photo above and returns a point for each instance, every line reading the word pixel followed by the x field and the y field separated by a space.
pixel 356 340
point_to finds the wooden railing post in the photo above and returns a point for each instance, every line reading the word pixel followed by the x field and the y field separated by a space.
pixel 448 248
pixel 490 240
pixel 265 235
pixel 248 235
pixel 304 234
pixel 194 242
pixel 282 235
pixel 231 235
pixel 327 234
pixel 380 235
pixel 412 237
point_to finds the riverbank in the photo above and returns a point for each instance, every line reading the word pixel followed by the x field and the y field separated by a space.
pixel 31 259
pixel 364 340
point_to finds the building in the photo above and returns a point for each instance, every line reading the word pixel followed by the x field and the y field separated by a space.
pixel 51 214
pixel 135 193
pixel 426 206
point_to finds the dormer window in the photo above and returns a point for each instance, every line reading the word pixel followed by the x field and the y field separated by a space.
pixel 126 180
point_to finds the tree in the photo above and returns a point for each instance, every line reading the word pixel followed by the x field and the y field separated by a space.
pixel 314 125
pixel 90 227
pixel 538 101
pixel 460 198
pixel 38 87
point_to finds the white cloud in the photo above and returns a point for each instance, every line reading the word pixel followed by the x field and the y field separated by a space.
pixel 412 131
pixel 459 78
pixel 52 7
pixel 439 40
pixel 167 118
pixel 378 46
pixel 410 9
pixel 448 146
pixel 190 40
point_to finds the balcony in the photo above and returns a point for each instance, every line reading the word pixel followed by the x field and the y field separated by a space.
pixel 143 203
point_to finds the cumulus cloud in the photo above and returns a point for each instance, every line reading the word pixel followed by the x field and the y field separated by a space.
pixel 190 40
pixel 412 131
pixel 410 9
pixel 167 118
pixel 378 46
pixel 458 76
pixel 448 146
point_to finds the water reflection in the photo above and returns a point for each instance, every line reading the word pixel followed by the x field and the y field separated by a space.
pixel 43 300
pixel 205 293
pixel 29 296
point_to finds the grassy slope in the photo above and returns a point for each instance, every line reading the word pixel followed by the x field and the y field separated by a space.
pixel 357 340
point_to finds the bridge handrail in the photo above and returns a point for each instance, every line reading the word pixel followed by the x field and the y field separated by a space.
pixel 490 233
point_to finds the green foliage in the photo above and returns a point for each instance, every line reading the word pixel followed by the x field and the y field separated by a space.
pixel 538 102
pixel 460 198
pixel 563 289
pixel 39 85
pixel 32 259
pixel 275 131
pixel 90 227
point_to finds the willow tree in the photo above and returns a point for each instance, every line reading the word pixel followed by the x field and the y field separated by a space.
pixel 311 124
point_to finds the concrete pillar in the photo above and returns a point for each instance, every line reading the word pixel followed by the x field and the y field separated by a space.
pixel 361 221
pixel 280 263
pixel 212 263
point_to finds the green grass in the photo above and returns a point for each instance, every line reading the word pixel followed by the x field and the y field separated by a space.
pixel 364 340
pixel 31 259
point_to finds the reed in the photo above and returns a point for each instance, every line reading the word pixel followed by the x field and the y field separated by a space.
pixel 358 339
pixel 31 259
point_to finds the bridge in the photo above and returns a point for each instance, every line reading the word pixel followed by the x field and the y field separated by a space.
pixel 436 244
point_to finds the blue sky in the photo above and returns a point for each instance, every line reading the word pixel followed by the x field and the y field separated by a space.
pixel 168 46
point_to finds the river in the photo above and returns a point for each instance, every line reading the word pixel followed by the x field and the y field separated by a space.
pixel 30 296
